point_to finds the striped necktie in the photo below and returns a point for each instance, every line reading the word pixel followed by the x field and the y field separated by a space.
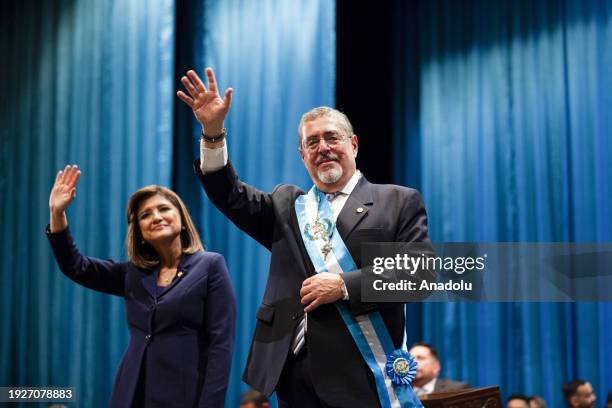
pixel 299 338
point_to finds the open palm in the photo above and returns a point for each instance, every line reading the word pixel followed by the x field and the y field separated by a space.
pixel 64 189
pixel 208 107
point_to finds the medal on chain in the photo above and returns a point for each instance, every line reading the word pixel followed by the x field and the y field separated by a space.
pixel 320 230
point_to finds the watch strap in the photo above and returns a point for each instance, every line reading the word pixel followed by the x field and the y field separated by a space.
pixel 214 139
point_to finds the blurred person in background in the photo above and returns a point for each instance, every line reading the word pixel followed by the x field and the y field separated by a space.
pixel 253 399
pixel 517 401
pixel 579 394
pixel 426 380
pixel 536 401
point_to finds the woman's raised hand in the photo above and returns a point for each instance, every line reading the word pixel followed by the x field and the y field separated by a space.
pixel 208 107
pixel 64 189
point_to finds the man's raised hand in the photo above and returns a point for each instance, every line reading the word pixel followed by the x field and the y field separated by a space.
pixel 208 107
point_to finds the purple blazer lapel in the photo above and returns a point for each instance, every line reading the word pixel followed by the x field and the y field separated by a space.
pixel 149 281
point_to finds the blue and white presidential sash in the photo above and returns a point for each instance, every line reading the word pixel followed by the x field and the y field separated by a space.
pixel 393 369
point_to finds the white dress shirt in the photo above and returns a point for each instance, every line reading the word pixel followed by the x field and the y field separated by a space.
pixel 427 388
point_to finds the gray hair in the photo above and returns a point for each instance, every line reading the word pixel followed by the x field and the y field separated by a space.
pixel 325 111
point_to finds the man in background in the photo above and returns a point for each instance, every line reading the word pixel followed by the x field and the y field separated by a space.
pixel 535 401
pixel 253 399
pixel 579 394
pixel 517 401
pixel 426 380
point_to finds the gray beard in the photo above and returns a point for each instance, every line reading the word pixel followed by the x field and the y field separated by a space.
pixel 330 176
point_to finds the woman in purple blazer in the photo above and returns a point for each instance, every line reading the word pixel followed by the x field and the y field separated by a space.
pixel 179 302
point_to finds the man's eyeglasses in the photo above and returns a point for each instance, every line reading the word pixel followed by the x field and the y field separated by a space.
pixel 331 140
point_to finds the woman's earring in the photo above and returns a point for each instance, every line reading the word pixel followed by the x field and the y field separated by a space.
pixel 142 242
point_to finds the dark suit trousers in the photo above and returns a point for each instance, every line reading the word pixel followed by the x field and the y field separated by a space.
pixel 295 388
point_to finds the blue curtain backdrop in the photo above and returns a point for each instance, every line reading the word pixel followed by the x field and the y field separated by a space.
pixel 90 83
pixel 280 59
pixel 510 123
pixel 503 121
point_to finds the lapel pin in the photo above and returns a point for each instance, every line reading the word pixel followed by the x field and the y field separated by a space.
pixel 359 210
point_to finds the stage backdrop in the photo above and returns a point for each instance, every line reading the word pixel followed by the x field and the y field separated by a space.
pixel 280 59
pixel 90 83
pixel 512 131
pixel 93 84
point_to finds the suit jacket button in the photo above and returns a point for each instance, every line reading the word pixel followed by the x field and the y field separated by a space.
pixel 295 316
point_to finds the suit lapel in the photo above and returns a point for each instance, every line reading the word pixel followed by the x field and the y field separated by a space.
pixel 355 209
pixel 149 281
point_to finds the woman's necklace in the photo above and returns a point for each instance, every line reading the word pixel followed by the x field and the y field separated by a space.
pixel 168 277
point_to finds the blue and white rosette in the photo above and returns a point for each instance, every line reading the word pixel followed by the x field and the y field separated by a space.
pixel 368 331
pixel 401 367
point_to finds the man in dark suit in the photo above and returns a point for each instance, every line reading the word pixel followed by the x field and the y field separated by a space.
pixel 301 347
pixel 426 380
